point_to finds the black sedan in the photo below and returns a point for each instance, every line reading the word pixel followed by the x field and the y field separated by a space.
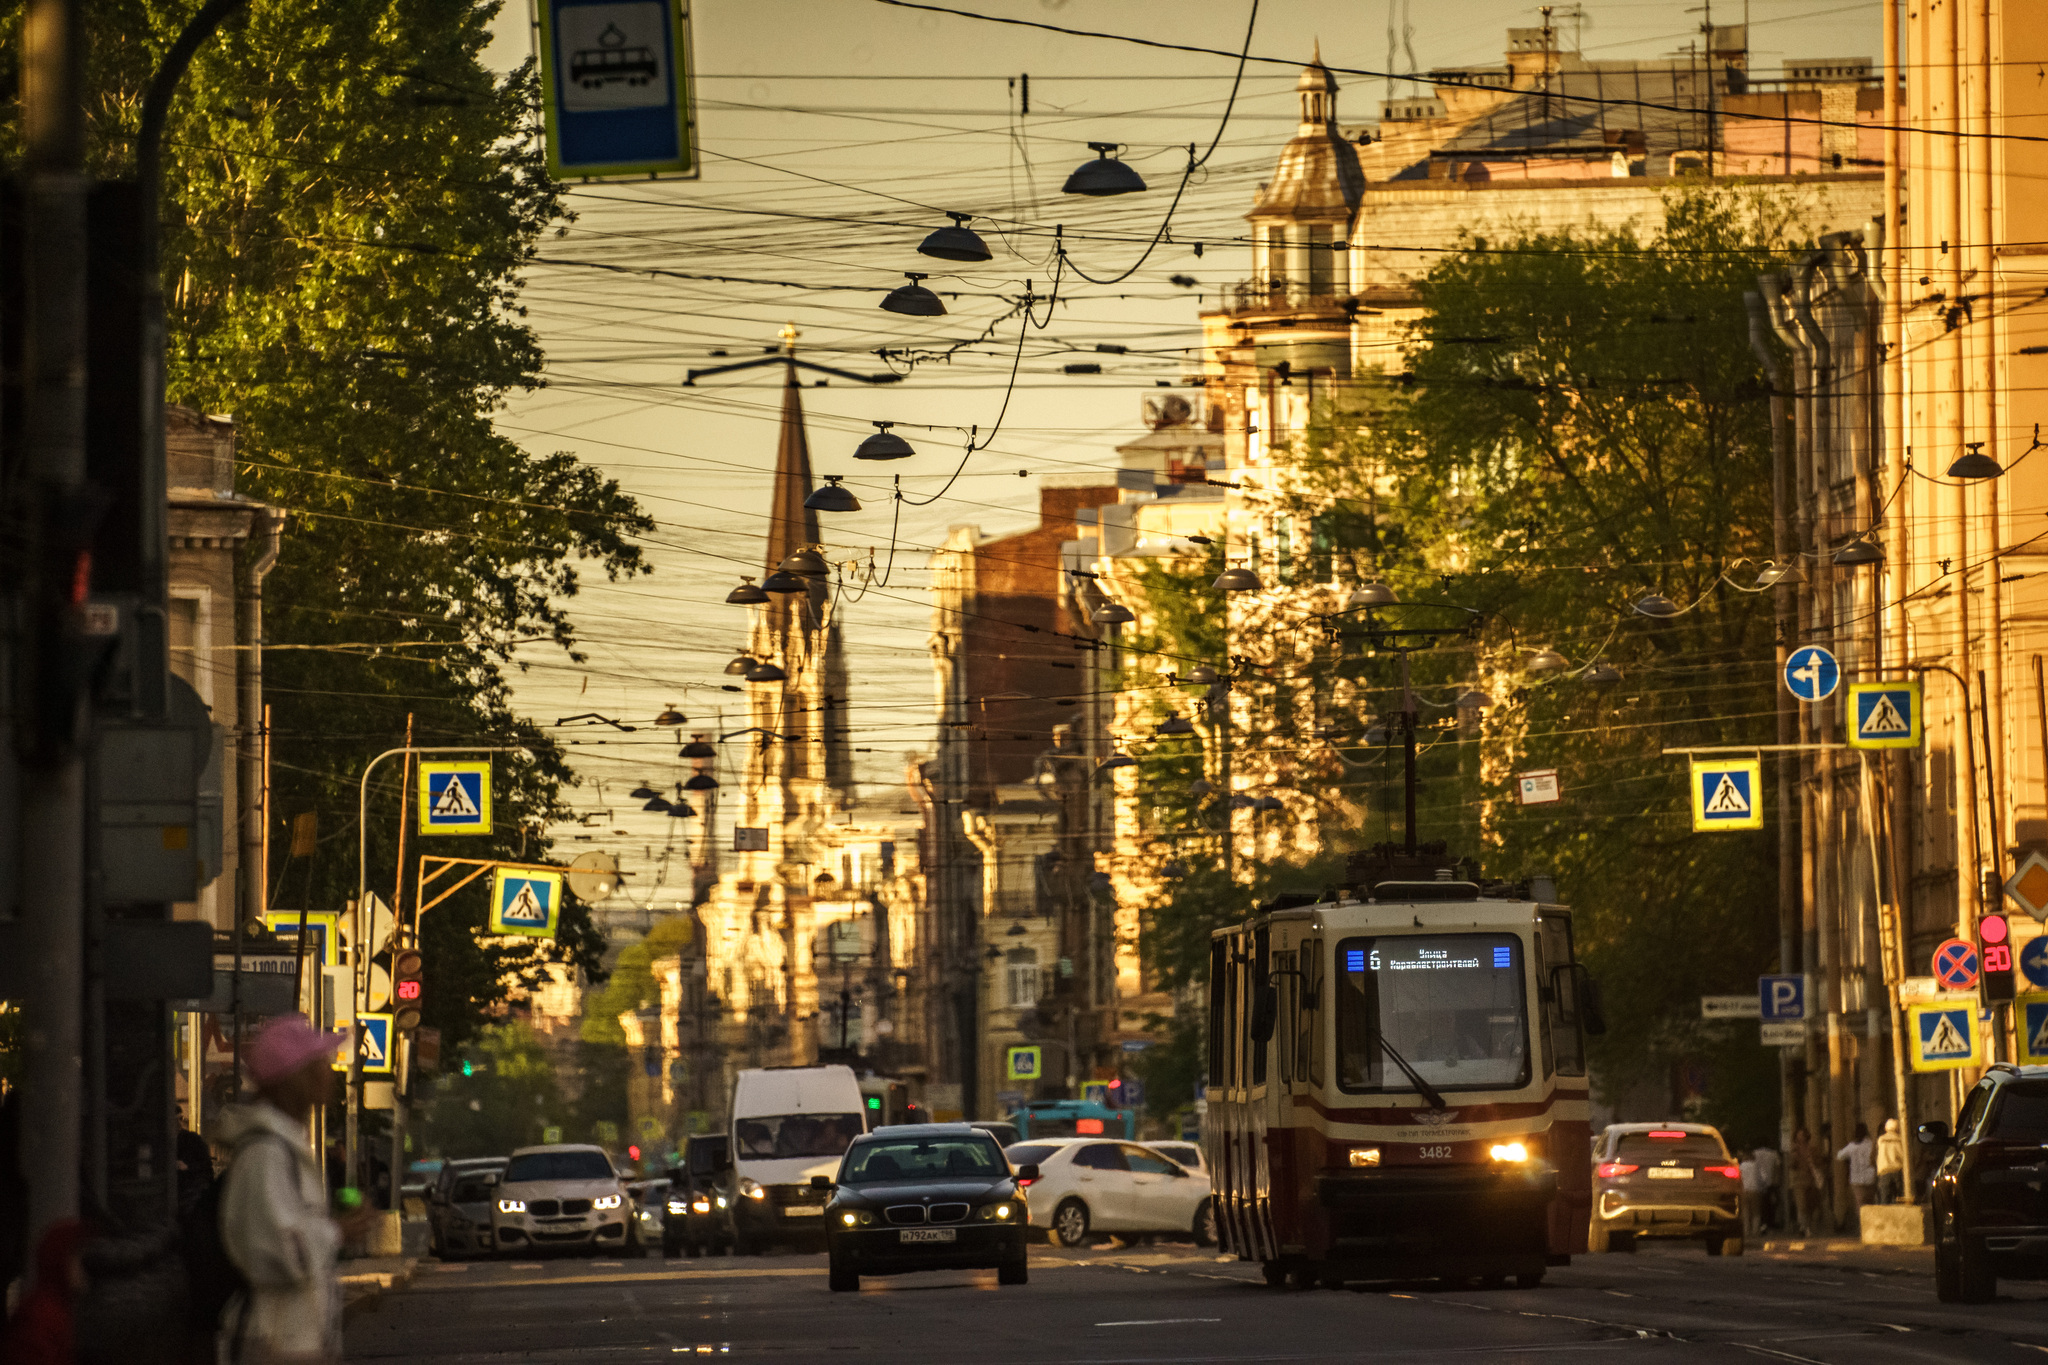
pixel 926 1196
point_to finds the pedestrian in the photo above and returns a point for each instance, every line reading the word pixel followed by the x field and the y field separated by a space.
pixel 1752 1197
pixel 1805 1178
pixel 1861 1155
pixel 273 1208
pixel 1891 1163
pixel 40 1332
pixel 1768 1168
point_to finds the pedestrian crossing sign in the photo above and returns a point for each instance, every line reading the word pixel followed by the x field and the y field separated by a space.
pixel 1727 794
pixel 1946 1035
pixel 2033 1029
pixel 455 798
pixel 1884 715
pixel 1024 1063
pixel 525 900
pixel 373 1043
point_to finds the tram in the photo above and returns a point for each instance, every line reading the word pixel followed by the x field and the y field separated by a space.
pixel 1397 1079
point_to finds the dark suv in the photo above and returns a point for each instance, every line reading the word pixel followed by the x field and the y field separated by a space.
pixel 697 1221
pixel 1990 1211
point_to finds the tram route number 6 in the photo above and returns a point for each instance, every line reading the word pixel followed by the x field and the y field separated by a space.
pixel 1436 1153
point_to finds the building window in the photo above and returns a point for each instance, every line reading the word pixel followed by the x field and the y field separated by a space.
pixel 1322 262
pixel 1283 549
pixel 1276 259
pixel 1020 978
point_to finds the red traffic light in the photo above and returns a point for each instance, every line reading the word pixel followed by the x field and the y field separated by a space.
pixel 1994 940
pixel 408 992
pixel 633 1152
pixel 1992 929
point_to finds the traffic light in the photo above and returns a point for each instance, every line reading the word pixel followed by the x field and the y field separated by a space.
pixel 1994 951
pixel 408 997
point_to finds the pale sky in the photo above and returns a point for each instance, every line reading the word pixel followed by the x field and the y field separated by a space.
pixel 881 118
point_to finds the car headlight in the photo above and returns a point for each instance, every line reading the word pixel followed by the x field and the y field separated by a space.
pixel 721 1201
pixel 1509 1151
pixel 856 1218
pixel 851 1220
pixel 511 1206
pixel 704 1205
pixel 1365 1156
pixel 676 1206
pixel 996 1213
pixel 606 1201
pixel 751 1188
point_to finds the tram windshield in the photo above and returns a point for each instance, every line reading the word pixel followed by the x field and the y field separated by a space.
pixel 1451 1005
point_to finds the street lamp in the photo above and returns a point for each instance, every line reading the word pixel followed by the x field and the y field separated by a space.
pixel 697 748
pixel 670 716
pixel 1104 175
pixel 913 300
pixel 883 445
pixel 956 243
pixel 1602 675
pixel 1547 661
pixel 766 673
pixel 1976 464
pixel 1858 552
pixel 1373 594
pixel 832 497
pixel 1115 761
pixel 1176 724
pixel 747 594
pixel 1774 573
pixel 1112 614
pixel 738 664
pixel 1237 579
pixel 1656 605
pixel 701 782
pixel 806 563
pixel 1201 673
pixel 782 581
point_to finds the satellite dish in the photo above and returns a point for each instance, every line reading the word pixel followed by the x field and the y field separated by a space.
pixel 594 876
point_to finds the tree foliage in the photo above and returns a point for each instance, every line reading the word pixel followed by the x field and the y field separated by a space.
pixel 350 201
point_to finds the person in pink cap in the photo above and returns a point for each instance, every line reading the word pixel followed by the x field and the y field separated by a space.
pixel 274 1216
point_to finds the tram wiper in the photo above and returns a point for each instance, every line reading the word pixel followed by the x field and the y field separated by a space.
pixel 1424 1088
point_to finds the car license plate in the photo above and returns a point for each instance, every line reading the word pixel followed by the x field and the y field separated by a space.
pixel 1669 1173
pixel 804 1211
pixel 928 1235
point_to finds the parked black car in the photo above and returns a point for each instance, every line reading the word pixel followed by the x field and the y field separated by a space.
pixel 1987 1190
pixel 697 1221
pixel 927 1196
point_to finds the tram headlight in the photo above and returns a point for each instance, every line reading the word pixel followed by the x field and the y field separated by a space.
pixel 1365 1156
pixel 1509 1151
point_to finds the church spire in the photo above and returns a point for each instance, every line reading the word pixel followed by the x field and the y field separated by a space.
pixel 791 525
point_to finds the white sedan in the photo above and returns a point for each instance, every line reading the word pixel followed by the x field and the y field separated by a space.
pixel 1091 1185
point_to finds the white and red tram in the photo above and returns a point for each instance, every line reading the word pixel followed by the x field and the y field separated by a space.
pixel 1397 1085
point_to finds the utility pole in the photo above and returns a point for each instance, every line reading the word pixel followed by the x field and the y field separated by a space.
pixel 55 578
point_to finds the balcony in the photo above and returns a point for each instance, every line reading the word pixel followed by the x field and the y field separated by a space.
pixel 1277 296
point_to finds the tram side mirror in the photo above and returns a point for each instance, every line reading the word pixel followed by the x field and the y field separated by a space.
pixel 821 1182
pixel 1932 1134
pixel 1265 1011
pixel 1577 996
pixel 1591 1015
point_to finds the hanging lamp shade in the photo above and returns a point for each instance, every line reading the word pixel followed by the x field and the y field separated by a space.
pixel 747 594
pixel 782 581
pixel 1115 761
pixel 1858 552
pixel 766 673
pixel 655 803
pixel 883 445
pixel 1103 176
pixel 1112 614
pixel 1016 931
pixel 1975 464
pixel 807 563
pixel 1176 724
pixel 1378 733
pixel 913 300
pixel 956 243
pixel 697 748
pixel 1175 869
pixel 1547 661
pixel 1200 788
pixel 1472 700
pixel 738 664
pixel 1774 573
pixel 1603 675
pixel 832 497
pixel 1657 605
pixel 1373 594
pixel 1269 803
pixel 1202 673
pixel 670 716
pixel 701 782
pixel 681 810
pixel 1239 579
pixel 1241 802
pixel 643 792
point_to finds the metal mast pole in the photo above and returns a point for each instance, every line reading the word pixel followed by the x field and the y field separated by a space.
pixel 50 891
pixel 1408 746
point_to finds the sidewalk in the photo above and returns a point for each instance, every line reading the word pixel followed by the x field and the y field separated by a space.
pixel 1845 1254
pixel 367 1279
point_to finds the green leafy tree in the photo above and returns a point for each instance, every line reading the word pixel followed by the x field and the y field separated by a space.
pixel 350 200
pixel 509 1098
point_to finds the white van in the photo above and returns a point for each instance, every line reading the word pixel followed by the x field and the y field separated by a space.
pixel 789 1123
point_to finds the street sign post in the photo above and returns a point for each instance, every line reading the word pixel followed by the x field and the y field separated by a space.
pixel 1774 1034
pixel 373 1042
pixel 1729 1007
pixel 1945 1035
pixel 616 91
pixel 1024 1063
pixel 1727 794
pixel 1538 788
pixel 525 901
pixel 1884 715
pixel 2027 887
pixel 1955 965
pixel 455 798
pixel 1781 998
pixel 1811 673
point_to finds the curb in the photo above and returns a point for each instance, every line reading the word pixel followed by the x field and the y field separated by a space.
pixel 361 1293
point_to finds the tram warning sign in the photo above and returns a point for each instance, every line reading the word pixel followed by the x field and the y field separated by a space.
pixel 455 798
pixel 1884 715
pixel 1945 1036
pixel 1727 794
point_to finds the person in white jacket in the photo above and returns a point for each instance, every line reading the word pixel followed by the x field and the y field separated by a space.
pixel 274 1215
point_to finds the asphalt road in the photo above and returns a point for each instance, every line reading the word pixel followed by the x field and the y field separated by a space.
pixel 1123 1306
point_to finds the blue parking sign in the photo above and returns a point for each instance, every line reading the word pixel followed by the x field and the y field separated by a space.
pixel 1782 998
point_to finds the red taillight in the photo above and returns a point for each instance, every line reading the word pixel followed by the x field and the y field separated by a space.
pixel 1609 1169
pixel 1662 1136
pixel 1732 1172
pixel 1023 1184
